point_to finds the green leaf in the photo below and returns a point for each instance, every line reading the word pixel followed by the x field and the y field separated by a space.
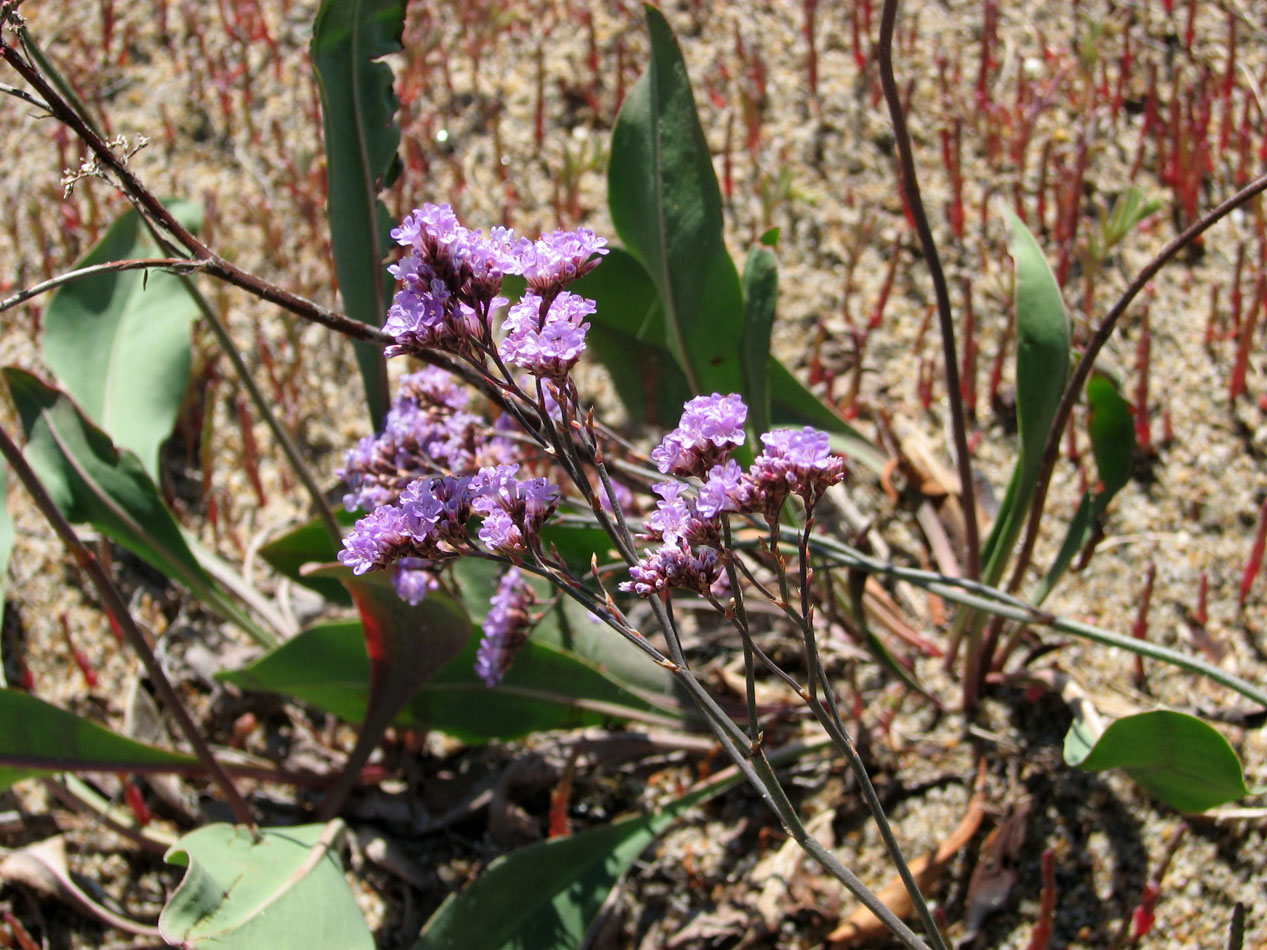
pixel 93 482
pixel 119 342
pixel 666 206
pixel 1042 368
pixel 40 739
pixel 627 336
pixel 1112 435
pixel 791 404
pixel 1175 757
pixel 1130 208
pixel 6 542
pixel 407 644
pixel 760 295
pixel 546 688
pixel 547 895
pixel 309 544
pixel 283 889
pixel 361 135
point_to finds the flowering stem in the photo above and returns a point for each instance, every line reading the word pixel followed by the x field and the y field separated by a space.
pixel 117 608
pixel 915 204
pixel 739 615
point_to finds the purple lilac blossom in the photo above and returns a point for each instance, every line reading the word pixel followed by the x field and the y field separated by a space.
pixel 560 257
pixel 436 511
pixel 710 427
pixel 547 346
pixel 448 281
pixel 376 540
pixel 796 461
pixel 505 628
pixel 670 566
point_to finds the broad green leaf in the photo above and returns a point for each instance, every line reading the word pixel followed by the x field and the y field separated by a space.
pixel 91 481
pixel 40 739
pixel 666 206
pixel 760 296
pixel 1112 435
pixel 6 541
pixel 1042 368
pixel 546 688
pixel 349 39
pixel 119 342
pixel 791 404
pixel 627 336
pixel 1175 757
pixel 407 644
pixel 546 896
pixel 284 888
pixel 309 544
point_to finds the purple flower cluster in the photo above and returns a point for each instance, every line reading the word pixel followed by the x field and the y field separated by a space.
pixel 428 522
pixel 414 579
pixel 671 566
pixel 450 278
pixel 505 628
pixel 797 461
pixel 560 257
pixel 546 336
pixel 688 523
pixel 427 432
pixel 710 428
pixel 513 510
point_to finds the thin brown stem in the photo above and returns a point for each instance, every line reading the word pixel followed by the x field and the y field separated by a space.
pixel 114 604
pixel 945 319
pixel 175 265
pixel 1051 449
pixel 211 262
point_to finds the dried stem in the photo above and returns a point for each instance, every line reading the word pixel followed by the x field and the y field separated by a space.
pixel 114 604
pixel 174 265
pixel 945 319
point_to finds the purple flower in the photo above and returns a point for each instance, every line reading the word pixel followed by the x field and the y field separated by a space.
pixel 505 628
pixel 426 432
pixel 670 566
pixel 376 540
pixel 513 510
pixel 798 461
pixel 546 344
pixel 677 518
pixel 711 426
pixel 436 511
pixel 414 579
pixel 560 257
pixel 726 488
pixel 501 535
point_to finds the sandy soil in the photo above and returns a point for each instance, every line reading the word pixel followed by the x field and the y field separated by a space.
pixel 229 113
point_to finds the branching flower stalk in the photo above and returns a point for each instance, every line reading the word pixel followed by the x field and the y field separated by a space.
pixel 428 473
